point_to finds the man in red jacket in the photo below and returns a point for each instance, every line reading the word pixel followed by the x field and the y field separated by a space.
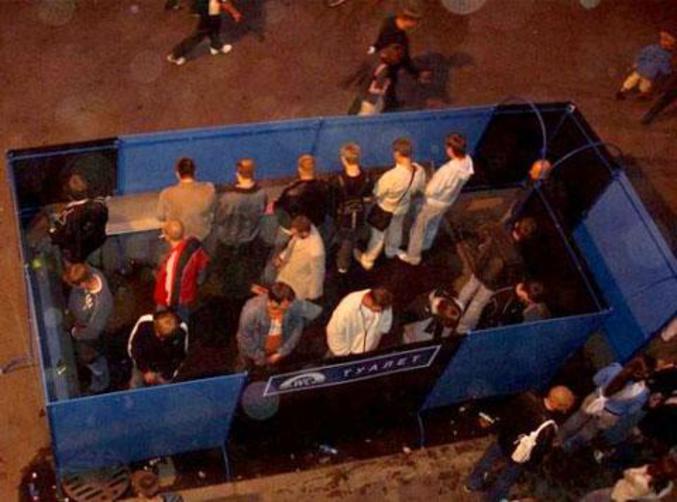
pixel 181 272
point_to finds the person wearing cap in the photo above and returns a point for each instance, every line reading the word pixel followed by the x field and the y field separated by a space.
pixel 523 415
pixel 394 31
pixel 653 61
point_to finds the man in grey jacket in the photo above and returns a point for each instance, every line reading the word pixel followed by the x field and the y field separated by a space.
pixel 90 304
pixel 270 327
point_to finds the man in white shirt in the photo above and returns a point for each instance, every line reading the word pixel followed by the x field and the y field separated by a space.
pixel 359 322
pixel 393 192
pixel 302 264
pixel 440 193
pixel 190 201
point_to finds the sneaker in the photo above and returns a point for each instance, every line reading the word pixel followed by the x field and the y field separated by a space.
pixel 176 61
pixel 342 270
pixel 402 255
pixel 223 50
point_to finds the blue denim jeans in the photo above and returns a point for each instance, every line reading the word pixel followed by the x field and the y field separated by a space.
pixel 500 487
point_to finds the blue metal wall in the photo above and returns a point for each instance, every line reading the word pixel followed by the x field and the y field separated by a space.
pixel 146 162
pixel 510 359
pixel 118 428
pixel 632 265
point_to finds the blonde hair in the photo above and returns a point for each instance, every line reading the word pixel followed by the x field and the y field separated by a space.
pixel 245 168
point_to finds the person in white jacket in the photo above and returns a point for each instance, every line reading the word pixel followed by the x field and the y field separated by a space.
pixel 359 321
pixel 393 193
pixel 440 193
pixel 301 264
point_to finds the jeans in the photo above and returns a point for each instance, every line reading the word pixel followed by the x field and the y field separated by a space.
pixel 474 296
pixel 207 26
pixel 346 238
pixel 391 238
pixel 500 487
pixel 424 230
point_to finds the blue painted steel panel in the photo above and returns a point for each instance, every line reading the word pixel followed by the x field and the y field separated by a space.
pixel 122 427
pixel 510 359
pixel 145 162
pixel 632 265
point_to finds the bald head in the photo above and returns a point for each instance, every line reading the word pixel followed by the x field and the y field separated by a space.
pixel 540 170
pixel 560 398
pixel 173 230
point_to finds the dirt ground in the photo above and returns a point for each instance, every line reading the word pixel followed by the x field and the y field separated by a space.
pixel 77 70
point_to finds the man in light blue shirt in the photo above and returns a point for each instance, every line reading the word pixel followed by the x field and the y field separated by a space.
pixel 651 62
pixel 440 193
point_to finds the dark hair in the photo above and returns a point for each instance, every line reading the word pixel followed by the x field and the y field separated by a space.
pixel 535 290
pixel 526 227
pixel 280 292
pixel 403 146
pixel 185 167
pixel 635 370
pixel 382 297
pixel 457 143
pixel 301 223
pixel 449 313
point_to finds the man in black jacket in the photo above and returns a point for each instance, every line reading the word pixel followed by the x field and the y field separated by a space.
pixel 394 31
pixel 80 228
pixel 525 414
pixel 157 346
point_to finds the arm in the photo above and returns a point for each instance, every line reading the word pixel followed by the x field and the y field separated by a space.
pixel 103 306
pixel 161 212
pixel 230 9
pixel 247 336
pixel 294 329
pixel 136 350
pixel 336 335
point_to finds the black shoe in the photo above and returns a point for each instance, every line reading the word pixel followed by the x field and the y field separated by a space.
pixel 620 95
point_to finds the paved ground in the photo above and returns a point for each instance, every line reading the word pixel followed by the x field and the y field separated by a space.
pixel 80 70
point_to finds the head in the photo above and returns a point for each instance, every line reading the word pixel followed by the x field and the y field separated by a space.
pixel 245 170
pixel 392 55
pixel 185 169
pixel 524 229
pixel 663 469
pixel 449 312
pixel 408 15
pixel 280 298
pixel 350 155
pixel 378 299
pixel 403 150
pixel 640 367
pixel 300 227
pixel 456 145
pixel 77 187
pixel 172 231
pixel 145 484
pixel 165 324
pixel 666 39
pixel 78 275
pixel 306 167
pixel 560 399
pixel 530 291
pixel 540 170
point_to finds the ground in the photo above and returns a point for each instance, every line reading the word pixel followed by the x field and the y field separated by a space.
pixel 81 70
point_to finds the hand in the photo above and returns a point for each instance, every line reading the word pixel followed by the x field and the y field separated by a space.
pixel 274 358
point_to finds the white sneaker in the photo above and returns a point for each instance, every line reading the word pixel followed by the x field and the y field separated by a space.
pixel 402 255
pixel 176 61
pixel 342 270
pixel 223 50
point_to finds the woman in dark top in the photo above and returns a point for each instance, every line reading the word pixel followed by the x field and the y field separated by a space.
pixel 351 189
